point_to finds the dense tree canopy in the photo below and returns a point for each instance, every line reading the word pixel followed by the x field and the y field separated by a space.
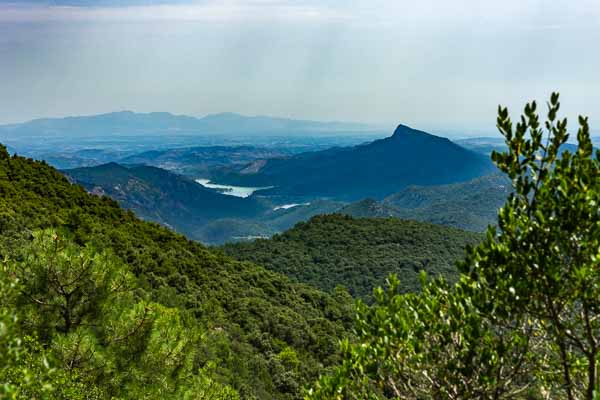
pixel 87 327
pixel 100 274
pixel 359 253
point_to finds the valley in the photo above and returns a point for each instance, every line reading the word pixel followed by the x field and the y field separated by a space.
pixel 269 190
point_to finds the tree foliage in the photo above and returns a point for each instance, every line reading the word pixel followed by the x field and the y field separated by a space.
pixel 99 288
pixel 88 329
pixel 523 320
pixel 544 263
pixel 26 370
pixel 359 253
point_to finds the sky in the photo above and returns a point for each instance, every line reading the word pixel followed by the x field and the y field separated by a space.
pixel 442 65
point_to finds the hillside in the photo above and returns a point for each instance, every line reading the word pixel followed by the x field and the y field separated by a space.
pixel 200 160
pixel 178 202
pixel 161 196
pixel 376 169
pixel 260 333
pixel 471 205
pixel 358 253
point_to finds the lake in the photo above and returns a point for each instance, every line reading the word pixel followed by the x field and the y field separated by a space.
pixel 237 191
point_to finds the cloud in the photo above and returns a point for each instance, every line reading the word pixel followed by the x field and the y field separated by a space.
pixel 448 62
pixel 172 10
pixel 465 14
pixel 94 3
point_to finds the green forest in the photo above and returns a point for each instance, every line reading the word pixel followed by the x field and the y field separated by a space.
pixel 359 253
pixel 93 299
pixel 97 304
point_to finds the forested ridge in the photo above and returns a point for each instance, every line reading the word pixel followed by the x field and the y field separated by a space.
pixel 158 195
pixel 359 253
pixel 240 330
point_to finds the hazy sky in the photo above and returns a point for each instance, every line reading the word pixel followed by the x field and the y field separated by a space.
pixel 442 65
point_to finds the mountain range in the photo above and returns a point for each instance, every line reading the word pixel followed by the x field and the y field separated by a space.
pixel 249 327
pixel 199 161
pixel 128 123
pixel 397 176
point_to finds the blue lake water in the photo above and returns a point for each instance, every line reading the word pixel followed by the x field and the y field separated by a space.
pixel 237 191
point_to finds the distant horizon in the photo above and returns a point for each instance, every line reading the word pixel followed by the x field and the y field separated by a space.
pixel 371 128
pixel 174 114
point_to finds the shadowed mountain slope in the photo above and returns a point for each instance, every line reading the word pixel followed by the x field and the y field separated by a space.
pixel 376 169
pixel 161 196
